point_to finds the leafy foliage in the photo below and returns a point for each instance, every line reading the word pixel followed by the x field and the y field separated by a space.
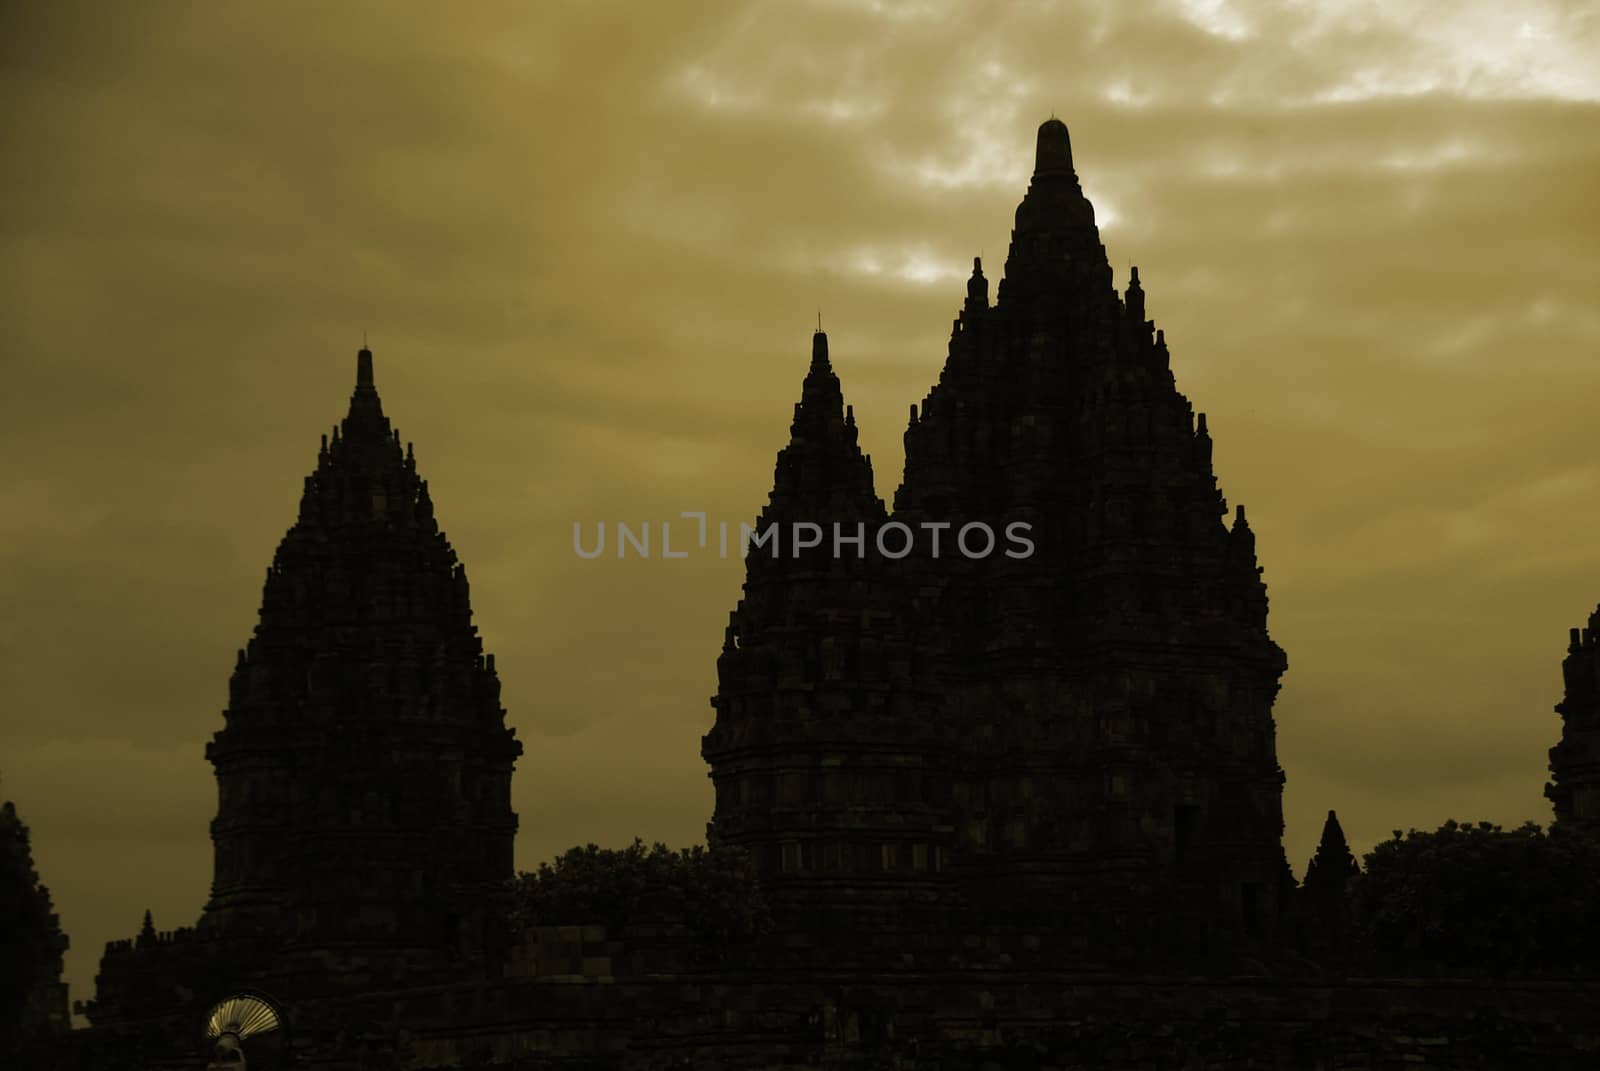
pixel 714 893
pixel 31 942
pixel 1479 898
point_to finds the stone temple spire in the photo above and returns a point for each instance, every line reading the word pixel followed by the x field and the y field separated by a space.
pixel 1333 864
pixel 1574 787
pixel 822 468
pixel 977 289
pixel 1053 151
pixel 1057 406
pixel 1325 921
pixel 1055 246
pixel 365 765
pixel 815 662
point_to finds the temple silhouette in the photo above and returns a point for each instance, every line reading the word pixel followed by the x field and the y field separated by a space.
pixel 1085 732
pixel 1018 810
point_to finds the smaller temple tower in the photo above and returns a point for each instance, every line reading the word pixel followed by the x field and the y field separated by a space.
pixel 364 767
pixel 818 753
pixel 1325 918
pixel 1574 786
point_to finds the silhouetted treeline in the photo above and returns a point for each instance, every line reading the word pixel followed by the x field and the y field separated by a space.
pixel 714 893
pixel 32 999
pixel 1477 899
pixel 1465 899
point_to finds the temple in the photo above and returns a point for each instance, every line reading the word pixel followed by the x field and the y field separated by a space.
pixel 1574 787
pixel 1003 756
pixel 1083 733
pixel 363 767
pixel 364 723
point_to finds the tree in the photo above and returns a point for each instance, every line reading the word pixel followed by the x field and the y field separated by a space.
pixel 31 942
pixel 1478 898
pixel 714 893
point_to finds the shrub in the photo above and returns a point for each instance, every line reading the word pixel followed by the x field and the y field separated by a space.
pixel 714 893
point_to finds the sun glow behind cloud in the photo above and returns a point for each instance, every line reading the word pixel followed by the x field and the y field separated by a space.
pixel 1480 49
pixel 916 267
pixel 1122 94
pixel 1219 18
pixel 979 151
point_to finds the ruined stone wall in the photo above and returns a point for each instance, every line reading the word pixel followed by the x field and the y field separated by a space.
pixel 1006 1020
pixel 577 998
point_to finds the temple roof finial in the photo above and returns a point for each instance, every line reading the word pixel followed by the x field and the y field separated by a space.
pixel 977 287
pixel 819 348
pixel 1054 153
pixel 364 365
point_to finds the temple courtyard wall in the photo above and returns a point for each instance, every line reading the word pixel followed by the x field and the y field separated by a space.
pixel 971 1020
pixel 1004 1020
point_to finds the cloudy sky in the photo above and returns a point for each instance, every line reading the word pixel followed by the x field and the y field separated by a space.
pixel 588 242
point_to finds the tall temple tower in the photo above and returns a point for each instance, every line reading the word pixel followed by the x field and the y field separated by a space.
pixel 1574 786
pixel 1091 723
pixel 364 770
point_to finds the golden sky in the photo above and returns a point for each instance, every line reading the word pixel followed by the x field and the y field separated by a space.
pixel 588 242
